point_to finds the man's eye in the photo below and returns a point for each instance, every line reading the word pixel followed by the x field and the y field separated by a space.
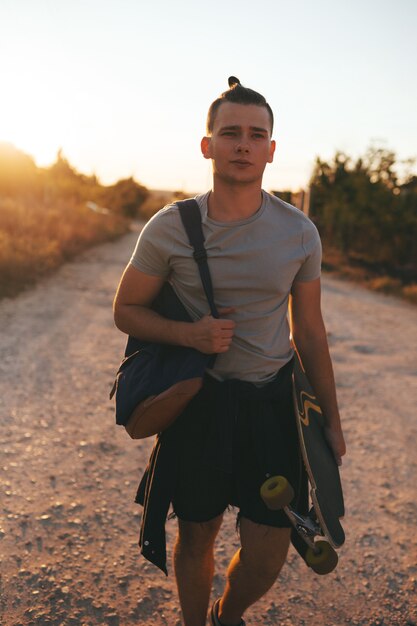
pixel 258 135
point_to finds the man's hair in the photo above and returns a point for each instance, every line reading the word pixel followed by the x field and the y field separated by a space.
pixel 238 94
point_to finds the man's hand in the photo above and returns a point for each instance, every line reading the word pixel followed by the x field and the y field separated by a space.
pixel 336 441
pixel 210 335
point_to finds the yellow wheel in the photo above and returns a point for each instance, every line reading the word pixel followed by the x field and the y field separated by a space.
pixel 324 560
pixel 277 492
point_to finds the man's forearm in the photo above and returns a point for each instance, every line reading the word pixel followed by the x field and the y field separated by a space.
pixel 144 323
pixel 314 353
pixel 208 335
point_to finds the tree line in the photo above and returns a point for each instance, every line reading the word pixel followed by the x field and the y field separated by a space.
pixel 48 215
pixel 21 181
pixel 366 209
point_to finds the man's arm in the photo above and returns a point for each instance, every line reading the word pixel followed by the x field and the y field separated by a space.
pixel 132 315
pixel 309 335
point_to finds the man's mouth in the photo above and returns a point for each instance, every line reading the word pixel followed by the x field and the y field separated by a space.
pixel 241 162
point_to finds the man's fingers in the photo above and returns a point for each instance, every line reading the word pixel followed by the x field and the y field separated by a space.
pixel 227 310
pixel 337 444
pixel 223 322
pixel 223 348
pixel 214 335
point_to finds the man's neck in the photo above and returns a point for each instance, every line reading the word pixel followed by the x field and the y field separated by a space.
pixel 233 203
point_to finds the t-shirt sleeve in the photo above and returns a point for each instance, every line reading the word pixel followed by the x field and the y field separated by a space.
pixel 311 268
pixel 153 248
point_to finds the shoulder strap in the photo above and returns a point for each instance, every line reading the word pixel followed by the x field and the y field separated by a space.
pixel 191 218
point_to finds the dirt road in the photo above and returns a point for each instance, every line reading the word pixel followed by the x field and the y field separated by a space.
pixel 68 476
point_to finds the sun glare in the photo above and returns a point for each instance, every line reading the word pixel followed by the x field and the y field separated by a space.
pixel 38 142
pixel 30 120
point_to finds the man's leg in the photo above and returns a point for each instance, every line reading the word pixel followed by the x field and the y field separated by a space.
pixel 254 568
pixel 194 567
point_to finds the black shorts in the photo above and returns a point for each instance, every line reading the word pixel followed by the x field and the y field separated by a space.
pixel 233 437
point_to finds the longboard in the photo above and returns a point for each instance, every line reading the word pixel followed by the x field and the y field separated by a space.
pixel 326 493
pixel 323 472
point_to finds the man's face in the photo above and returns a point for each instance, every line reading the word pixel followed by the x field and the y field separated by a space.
pixel 240 145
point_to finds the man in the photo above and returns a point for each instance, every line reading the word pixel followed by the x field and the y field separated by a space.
pixel 264 257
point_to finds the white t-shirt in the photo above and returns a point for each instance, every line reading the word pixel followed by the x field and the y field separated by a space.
pixel 253 264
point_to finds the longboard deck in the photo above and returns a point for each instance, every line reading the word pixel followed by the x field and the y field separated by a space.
pixel 323 472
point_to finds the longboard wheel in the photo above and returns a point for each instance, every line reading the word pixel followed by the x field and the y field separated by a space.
pixel 323 560
pixel 277 492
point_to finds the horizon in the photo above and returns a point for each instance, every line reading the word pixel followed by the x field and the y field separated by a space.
pixel 7 146
pixel 124 94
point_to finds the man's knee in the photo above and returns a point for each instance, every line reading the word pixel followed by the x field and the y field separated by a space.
pixel 264 549
pixel 198 537
pixel 265 568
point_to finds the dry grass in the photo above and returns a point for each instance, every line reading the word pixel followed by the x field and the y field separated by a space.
pixel 410 293
pixel 335 263
pixel 34 240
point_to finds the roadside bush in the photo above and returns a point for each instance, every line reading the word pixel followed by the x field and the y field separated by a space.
pixel 45 217
pixel 125 197
pixel 35 241
pixel 365 210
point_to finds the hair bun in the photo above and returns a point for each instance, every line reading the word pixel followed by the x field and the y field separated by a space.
pixel 232 80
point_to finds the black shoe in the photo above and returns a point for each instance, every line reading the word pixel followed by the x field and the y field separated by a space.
pixel 214 615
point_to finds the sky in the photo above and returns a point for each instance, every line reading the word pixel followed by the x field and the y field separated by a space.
pixel 123 86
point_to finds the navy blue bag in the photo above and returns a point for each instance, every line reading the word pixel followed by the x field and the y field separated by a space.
pixel 155 382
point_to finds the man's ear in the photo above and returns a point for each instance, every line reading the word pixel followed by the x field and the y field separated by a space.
pixel 272 151
pixel 206 147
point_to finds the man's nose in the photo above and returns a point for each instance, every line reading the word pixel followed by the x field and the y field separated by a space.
pixel 242 145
